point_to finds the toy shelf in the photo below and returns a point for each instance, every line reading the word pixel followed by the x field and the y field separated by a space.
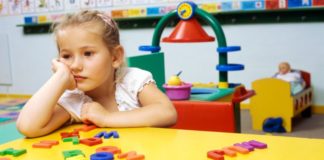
pixel 295 15
pixel 38 28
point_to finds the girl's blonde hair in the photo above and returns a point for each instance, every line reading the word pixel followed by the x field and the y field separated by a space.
pixel 110 31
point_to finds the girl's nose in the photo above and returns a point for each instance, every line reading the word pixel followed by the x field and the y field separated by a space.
pixel 77 64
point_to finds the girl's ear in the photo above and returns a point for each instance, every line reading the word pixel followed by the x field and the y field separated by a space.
pixel 118 56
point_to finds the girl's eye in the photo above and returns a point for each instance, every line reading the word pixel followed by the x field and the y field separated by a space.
pixel 65 56
pixel 88 53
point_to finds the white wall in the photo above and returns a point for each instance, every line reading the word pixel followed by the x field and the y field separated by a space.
pixel 263 47
pixel 30 57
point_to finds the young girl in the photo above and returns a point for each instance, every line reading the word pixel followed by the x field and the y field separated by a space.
pixel 91 84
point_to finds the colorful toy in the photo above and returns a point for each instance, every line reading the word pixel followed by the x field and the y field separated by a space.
pixel 222 115
pixel 188 30
pixel 74 140
pixel 42 145
pixel 111 149
pixel 175 89
pixel 91 141
pixel 131 155
pixel 72 153
pixel 45 144
pixel 102 156
pixel 107 135
pixel 274 99
pixel 175 80
pixel 70 134
pixel 100 134
pixel 216 154
pixel 53 142
pixel 204 85
pixel 257 144
pixel 245 145
pixel 13 152
pixel 102 153
pixel 203 90
pixel 113 134
pixel 210 116
pixel 273 125
pixel 229 152
pixel 181 92
pixel 237 147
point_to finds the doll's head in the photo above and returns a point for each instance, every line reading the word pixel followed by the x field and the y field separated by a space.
pixel 284 68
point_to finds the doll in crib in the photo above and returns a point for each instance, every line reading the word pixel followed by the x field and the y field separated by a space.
pixel 293 76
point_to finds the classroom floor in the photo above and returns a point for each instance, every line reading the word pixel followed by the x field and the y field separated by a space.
pixel 312 127
pixel 9 111
pixel 10 108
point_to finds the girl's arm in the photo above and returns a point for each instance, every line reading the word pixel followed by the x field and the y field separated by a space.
pixel 157 110
pixel 41 114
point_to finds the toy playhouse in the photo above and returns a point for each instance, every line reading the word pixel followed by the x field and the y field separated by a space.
pixel 216 111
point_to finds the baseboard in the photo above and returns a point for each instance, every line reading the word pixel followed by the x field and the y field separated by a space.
pixel 318 109
pixel 14 95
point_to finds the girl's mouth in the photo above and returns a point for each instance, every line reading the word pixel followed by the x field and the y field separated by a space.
pixel 79 78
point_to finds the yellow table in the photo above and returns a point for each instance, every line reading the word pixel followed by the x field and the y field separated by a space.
pixel 174 144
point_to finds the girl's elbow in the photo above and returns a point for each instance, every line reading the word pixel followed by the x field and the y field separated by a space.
pixel 172 117
pixel 26 130
pixel 23 130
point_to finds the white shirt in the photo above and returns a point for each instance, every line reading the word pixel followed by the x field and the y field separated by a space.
pixel 126 93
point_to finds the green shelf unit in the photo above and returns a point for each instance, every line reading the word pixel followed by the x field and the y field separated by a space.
pixel 39 28
pixel 295 15
pixel 142 22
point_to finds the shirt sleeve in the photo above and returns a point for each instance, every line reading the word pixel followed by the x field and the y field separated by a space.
pixel 137 79
pixel 72 101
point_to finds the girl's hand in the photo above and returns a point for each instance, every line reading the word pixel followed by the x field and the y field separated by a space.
pixel 93 112
pixel 60 67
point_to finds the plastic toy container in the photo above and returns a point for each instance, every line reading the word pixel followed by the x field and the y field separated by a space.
pixel 178 92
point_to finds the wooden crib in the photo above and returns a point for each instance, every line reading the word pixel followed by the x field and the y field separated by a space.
pixel 273 99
